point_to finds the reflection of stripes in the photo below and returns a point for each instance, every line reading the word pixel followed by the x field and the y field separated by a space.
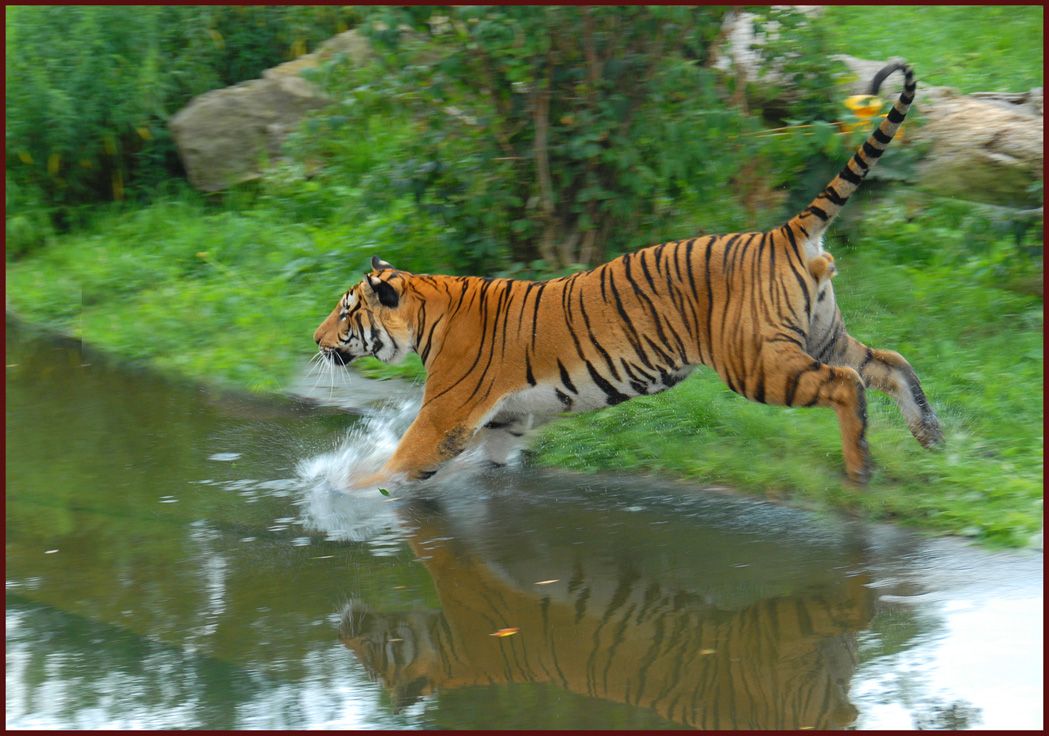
pixel 779 663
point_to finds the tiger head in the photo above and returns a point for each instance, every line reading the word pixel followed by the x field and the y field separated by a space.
pixel 368 320
pixel 397 649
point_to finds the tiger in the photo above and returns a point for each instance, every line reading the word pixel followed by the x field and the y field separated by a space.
pixel 756 307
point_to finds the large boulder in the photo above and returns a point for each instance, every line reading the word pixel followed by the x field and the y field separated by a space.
pixel 983 147
pixel 225 136
pixel 986 148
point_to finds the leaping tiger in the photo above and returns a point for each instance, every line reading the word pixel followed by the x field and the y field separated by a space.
pixel 757 307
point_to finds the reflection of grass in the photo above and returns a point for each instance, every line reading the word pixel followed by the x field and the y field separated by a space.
pixel 934 40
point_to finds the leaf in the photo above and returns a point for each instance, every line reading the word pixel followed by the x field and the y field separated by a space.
pixel 510 631
pixel 384 492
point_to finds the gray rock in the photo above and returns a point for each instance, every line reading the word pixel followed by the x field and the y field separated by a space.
pixel 984 148
pixel 226 136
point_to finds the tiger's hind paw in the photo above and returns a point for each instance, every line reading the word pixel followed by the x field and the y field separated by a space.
pixel 929 434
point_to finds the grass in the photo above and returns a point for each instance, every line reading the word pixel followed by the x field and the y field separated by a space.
pixel 214 294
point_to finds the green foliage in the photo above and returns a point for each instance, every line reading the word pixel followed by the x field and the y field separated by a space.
pixel 230 297
pixel 89 91
pixel 990 244
pixel 798 74
pixel 565 134
pixel 27 225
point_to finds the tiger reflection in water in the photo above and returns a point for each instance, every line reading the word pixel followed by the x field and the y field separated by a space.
pixel 780 663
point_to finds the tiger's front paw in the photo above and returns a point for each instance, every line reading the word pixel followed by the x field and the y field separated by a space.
pixel 369 482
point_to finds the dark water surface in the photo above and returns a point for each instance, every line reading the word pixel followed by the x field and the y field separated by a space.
pixel 177 558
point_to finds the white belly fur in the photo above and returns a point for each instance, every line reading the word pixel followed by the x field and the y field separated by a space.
pixel 543 398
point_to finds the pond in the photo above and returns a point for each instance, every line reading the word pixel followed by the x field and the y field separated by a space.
pixel 180 558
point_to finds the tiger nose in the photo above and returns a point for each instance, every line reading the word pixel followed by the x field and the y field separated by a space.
pixel 317 336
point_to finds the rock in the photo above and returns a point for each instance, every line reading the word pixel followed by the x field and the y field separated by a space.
pixel 225 136
pixel 983 149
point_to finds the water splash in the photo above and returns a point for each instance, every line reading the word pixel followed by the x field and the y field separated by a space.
pixel 365 447
pixel 355 515
pixel 363 515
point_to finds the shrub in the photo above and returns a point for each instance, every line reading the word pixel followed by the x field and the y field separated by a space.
pixel 89 89
pixel 565 134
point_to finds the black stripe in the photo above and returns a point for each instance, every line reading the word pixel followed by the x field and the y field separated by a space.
pixel 802 281
pixel 679 250
pixel 871 151
pixel 648 274
pixel 895 116
pixel 429 335
pixel 656 315
pixel 593 339
pixel 630 331
pixel 792 385
pixel 850 176
pixel 823 350
pixel 759 391
pixel 635 373
pixel 566 379
pixel 831 194
pixel 524 301
pixel 563 398
pixel 535 311
pixel 881 137
pixel 818 212
pixel 710 304
pixel 614 397
pixel 866 359
pixel 787 338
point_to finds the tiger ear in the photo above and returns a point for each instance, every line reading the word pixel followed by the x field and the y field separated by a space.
pixel 379 264
pixel 386 294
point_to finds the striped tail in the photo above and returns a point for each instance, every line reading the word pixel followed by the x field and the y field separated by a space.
pixel 815 218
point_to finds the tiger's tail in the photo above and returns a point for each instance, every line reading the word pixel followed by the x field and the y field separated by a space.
pixel 815 218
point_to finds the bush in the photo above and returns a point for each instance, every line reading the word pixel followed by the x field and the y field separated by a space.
pixel 565 134
pixel 89 89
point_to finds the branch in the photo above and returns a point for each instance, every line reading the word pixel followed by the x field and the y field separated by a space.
pixel 541 114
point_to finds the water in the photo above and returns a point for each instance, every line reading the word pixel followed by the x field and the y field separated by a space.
pixel 179 558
